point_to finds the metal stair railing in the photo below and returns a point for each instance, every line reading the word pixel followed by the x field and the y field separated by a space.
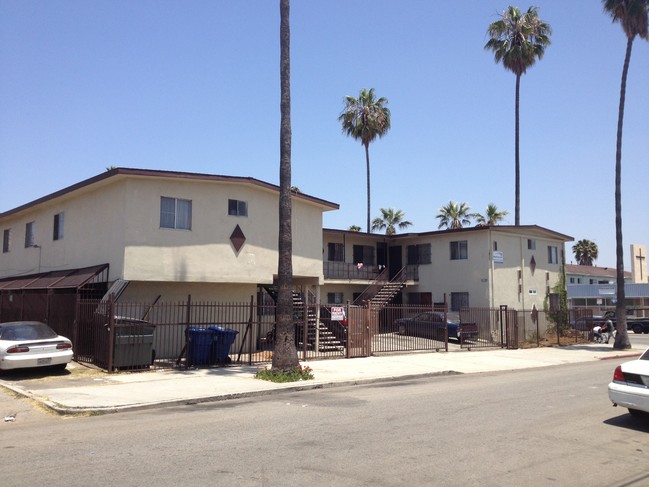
pixel 394 286
pixel 370 291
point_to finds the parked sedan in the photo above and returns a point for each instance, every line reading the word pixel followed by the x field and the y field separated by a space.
pixel 26 344
pixel 432 324
pixel 630 386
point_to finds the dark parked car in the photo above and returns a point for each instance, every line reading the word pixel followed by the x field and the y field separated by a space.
pixel 431 324
pixel 586 323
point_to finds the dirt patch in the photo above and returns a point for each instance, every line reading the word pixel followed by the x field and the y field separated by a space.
pixel 569 337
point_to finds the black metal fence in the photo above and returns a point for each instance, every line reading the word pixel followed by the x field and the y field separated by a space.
pixel 132 336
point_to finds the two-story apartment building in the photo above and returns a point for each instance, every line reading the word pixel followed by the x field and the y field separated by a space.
pixel 478 266
pixel 173 234
pixel 168 234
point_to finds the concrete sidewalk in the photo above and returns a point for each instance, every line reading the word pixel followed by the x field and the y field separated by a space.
pixel 86 390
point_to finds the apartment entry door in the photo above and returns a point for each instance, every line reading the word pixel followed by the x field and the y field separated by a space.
pixel 395 260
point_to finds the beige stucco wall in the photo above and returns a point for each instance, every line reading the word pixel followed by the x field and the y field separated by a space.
pixel 117 221
pixel 205 253
pixel 517 257
pixel 176 292
pixel 489 284
pixel 93 233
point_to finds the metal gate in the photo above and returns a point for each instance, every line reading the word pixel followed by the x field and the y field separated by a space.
pixel 360 321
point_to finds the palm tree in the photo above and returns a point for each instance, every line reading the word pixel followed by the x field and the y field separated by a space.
pixel 365 118
pixel 585 252
pixel 285 353
pixel 518 40
pixel 390 219
pixel 491 217
pixel 632 15
pixel 354 228
pixel 454 215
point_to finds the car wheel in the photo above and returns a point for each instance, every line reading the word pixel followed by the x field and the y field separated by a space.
pixel 637 329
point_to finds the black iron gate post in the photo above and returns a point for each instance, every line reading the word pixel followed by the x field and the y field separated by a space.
pixel 504 322
pixel 111 332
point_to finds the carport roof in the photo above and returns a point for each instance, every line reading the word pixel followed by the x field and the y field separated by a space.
pixel 64 279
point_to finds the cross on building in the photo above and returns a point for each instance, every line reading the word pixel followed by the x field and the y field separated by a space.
pixel 641 258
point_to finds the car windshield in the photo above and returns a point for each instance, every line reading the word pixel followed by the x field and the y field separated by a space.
pixel 26 331
pixel 645 355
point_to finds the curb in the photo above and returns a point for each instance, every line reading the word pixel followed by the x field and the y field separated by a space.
pixel 99 410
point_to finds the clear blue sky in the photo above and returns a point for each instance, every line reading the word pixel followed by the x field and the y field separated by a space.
pixel 193 85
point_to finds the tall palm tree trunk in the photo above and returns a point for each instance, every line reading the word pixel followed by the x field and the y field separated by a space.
pixel 622 337
pixel 517 170
pixel 285 353
pixel 367 164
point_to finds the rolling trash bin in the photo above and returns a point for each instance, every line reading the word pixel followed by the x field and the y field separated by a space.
pixel 200 342
pixel 133 343
pixel 224 338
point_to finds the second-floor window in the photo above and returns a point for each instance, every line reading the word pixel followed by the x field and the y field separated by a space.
pixel 6 239
pixel 364 254
pixel 531 244
pixel 335 252
pixel 58 227
pixel 237 208
pixel 419 254
pixel 175 213
pixel 29 234
pixel 459 250
pixel 553 255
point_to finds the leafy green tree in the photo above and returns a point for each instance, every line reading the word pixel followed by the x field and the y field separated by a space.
pixel 518 40
pixel 585 252
pixel 285 353
pixel 365 118
pixel 454 215
pixel 354 228
pixel 632 16
pixel 491 217
pixel 390 219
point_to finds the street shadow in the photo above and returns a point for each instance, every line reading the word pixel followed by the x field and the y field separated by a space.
pixel 625 420
pixel 34 373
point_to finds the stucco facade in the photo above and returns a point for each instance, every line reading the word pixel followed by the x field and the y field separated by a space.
pixel 117 218
pixel 477 267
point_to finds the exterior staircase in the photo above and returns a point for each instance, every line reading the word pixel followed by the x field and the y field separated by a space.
pixel 386 293
pixel 381 291
pixel 317 333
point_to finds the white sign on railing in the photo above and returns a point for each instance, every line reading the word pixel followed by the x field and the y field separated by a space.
pixel 337 313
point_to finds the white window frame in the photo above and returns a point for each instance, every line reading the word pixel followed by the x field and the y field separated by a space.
pixel 58 232
pixel 459 249
pixel 30 232
pixel 175 213
pixel 6 240
pixel 237 207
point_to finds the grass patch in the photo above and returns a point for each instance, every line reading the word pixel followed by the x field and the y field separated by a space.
pixel 293 375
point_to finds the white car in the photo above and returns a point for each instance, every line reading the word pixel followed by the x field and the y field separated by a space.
pixel 630 385
pixel 26 344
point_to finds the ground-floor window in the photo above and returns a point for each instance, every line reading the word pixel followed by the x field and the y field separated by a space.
pixel 425 299
pixel 459 300
pixel 335 298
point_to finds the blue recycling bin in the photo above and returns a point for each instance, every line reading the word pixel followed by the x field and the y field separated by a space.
pixel 200 342
pixel 224 338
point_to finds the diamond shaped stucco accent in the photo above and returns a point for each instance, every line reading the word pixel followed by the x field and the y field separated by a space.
pixel 237 238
